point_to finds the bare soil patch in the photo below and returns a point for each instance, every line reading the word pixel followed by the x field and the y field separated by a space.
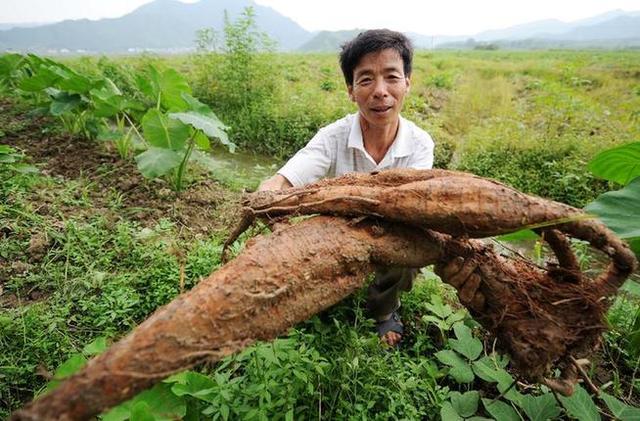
pixel 113 185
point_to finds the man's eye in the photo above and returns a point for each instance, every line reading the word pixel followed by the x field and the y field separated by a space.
pixel 364 81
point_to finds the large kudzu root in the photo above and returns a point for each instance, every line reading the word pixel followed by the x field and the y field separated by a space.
pixel 276 282
pixel 541 318
pixel 455 203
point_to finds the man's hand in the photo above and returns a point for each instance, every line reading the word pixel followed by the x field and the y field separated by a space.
pixel 460 274
pixel 276 182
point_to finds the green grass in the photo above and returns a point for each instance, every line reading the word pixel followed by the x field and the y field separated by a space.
pixel 531 119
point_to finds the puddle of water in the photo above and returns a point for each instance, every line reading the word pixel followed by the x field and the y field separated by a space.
pixel 241 170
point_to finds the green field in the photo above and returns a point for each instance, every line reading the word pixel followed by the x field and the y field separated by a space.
pixel 89 247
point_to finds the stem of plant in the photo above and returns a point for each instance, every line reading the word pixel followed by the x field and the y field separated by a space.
pixel 183 164
pixel 133 126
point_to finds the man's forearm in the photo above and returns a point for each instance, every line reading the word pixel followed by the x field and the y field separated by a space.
pixel 276 182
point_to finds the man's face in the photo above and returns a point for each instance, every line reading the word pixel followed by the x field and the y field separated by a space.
pixel 379 87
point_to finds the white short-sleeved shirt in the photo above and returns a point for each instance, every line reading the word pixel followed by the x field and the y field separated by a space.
pixel 338 149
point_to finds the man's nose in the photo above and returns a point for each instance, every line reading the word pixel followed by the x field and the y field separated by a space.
pixel 380 88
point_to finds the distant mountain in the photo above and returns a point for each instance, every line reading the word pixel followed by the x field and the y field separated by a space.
pixel 325 41
pixel 552 28
pixel 160 25
pixel 169 25
pixel 616 29
pixel 6 26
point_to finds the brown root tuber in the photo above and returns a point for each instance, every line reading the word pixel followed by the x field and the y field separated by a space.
pixel 541 319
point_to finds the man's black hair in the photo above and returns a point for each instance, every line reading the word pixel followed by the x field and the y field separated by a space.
pixel 372 41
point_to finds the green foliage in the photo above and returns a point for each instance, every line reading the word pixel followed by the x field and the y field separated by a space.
pixel 552 171
pixel 499 410
pixel 621 164
pixel 11 161
pixel 540 408
pixel 441 80
pixel 620 210
pixel 619 409
pixel 580 405
pixel 518 118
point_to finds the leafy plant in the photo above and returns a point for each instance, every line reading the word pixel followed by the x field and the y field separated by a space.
pixel 11 161
pixel 620 210
pixel 442 315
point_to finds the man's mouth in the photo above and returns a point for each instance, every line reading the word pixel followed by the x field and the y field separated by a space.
pixel 381 109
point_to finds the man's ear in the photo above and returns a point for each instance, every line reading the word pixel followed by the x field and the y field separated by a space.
pixel 350 91
pixel 408 82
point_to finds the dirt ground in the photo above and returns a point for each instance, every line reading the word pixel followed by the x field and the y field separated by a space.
pixel 114 186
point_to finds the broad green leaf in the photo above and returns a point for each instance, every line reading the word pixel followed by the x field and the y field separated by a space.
pixel 164 132
pixel 106 103
pixel 620 210
pixel 158 402
pixel 202 141
pixel 460 369
pixel 71 81
pixel 499 410
pixel 156 162
pixel 621 164
pixel 519 236
pixel 437 307
pixel 64 102
pixel 97 346
pixel 540 408
pixel 465 404
pixel 141 411
pixel 9 63
pixel 466 344
pixel 490 370
pixel 195 104
pixel 194 384
pixel 447 413
pixel 66 369
pixel 619 409
pixel 144 85
pixel 580 405
pixel 169 85
pixel 209 124
pixel 42 78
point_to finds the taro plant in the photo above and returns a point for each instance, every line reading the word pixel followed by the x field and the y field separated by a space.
pixel 620 209
pixel 177 129
pixel 10 65
pixel 65 92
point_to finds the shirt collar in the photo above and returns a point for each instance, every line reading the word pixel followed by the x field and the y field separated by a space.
pixel 399 148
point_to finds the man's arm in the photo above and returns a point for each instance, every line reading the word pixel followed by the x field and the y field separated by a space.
pixel 275 182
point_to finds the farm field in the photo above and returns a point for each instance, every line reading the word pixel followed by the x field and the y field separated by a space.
pixel 92 240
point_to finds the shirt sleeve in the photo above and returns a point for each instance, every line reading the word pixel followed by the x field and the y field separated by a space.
pixel 310 163
pixel 422 158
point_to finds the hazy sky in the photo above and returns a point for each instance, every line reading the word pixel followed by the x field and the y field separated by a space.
pixel 444 17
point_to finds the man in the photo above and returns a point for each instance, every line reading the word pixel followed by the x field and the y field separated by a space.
pixel 377 68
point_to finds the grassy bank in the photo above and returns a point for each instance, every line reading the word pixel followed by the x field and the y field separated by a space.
pixel 89 248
